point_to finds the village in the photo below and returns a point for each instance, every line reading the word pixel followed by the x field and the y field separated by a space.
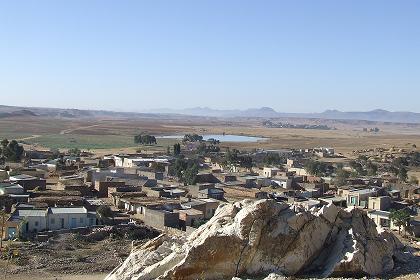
pixel 47 194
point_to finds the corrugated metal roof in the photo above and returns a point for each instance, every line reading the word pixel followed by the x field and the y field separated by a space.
pixel 22 177
pixel 67 210
pixel 31 213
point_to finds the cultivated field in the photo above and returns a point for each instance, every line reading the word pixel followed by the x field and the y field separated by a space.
pixel 117 135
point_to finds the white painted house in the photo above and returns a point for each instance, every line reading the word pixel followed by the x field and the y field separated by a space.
pixel 31 221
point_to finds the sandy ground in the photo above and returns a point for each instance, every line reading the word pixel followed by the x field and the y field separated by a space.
pixel 346 138
pixel 53 276
pixel 74 256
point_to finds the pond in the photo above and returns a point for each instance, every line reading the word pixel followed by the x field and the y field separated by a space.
pixel 222 138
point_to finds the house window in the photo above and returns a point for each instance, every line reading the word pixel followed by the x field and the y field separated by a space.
pixel 353 200
pixel 36 224
pixel 385 223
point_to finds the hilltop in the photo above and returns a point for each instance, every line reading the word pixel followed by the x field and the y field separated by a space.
pixel 377 115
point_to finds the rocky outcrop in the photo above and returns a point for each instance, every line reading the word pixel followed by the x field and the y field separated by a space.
pixel 256 238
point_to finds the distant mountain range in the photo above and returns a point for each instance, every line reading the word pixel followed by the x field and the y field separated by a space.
pixel 378 115
pixel 264 112
pixel 15 111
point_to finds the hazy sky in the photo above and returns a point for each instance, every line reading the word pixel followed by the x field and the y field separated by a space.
pixel 294 56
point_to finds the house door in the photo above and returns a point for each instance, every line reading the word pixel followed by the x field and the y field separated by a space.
pixel 11 233
pixel 62 222
pixel 73 223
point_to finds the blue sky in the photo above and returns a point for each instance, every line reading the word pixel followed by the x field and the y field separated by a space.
pixel 294 56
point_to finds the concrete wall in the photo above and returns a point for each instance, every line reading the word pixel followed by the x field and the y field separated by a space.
pixel 102 187
pixel 36 224
pixel 32 184
pixel 379 203
pixel 152 175
pixel 64 221
pixel 160 219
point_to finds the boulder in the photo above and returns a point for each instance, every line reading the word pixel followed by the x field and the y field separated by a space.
pixel 264 237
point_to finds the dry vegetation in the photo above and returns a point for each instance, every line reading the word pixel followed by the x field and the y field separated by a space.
pixel 117 135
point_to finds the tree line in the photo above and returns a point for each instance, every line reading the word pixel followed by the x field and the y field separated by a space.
pixel 192 138
pixel 145 139
pixel 11 151
pixel 186 170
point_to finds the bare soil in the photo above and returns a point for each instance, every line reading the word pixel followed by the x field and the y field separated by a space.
pixel 70 256
pixel 116 135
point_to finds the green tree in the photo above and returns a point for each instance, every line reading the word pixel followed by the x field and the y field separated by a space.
pixel 273 159
pixel 190 175
pixel 246 162
pixel 232 156
pixel 11 151
pixel 358 168
pixel 157 167
pixel 402 174
pixel 179 167
pixel 192 138
pixel 371 168
pixel 201 149
pixel 341 177
pixel 4 143
pixel 185 170
pixel 104 213
pixel 145 139
pixel 204 149
pixel 75 152
pixel 400 218
pixel 177 149
pixel 316 168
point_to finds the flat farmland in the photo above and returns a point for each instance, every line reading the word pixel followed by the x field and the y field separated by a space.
pixel 116 135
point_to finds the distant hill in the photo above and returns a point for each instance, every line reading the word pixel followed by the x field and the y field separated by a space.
pixel 264 112
pixel 267 112
pixel 17 113
pixel 375 115
pixel 14 111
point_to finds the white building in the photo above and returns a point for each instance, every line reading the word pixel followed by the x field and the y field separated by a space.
pixel 31 221
pixel 284 183
pixel 269 172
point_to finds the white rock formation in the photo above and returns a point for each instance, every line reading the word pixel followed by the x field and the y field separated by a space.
pixel 256 238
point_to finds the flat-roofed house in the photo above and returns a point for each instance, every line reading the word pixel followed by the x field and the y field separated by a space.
pixel 103 186
pixel 360 197
pixel 11 188
pixel 379 203
pixel 215 193
pixel 270 172
pixel 28 182
pixel 206 205
pixel 31 221
pixel 188 217
pixel 69 217
pixel 381 219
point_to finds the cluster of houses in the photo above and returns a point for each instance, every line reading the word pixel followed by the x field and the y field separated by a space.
pixel 37 200
pixel 378 196
pixel 44 195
